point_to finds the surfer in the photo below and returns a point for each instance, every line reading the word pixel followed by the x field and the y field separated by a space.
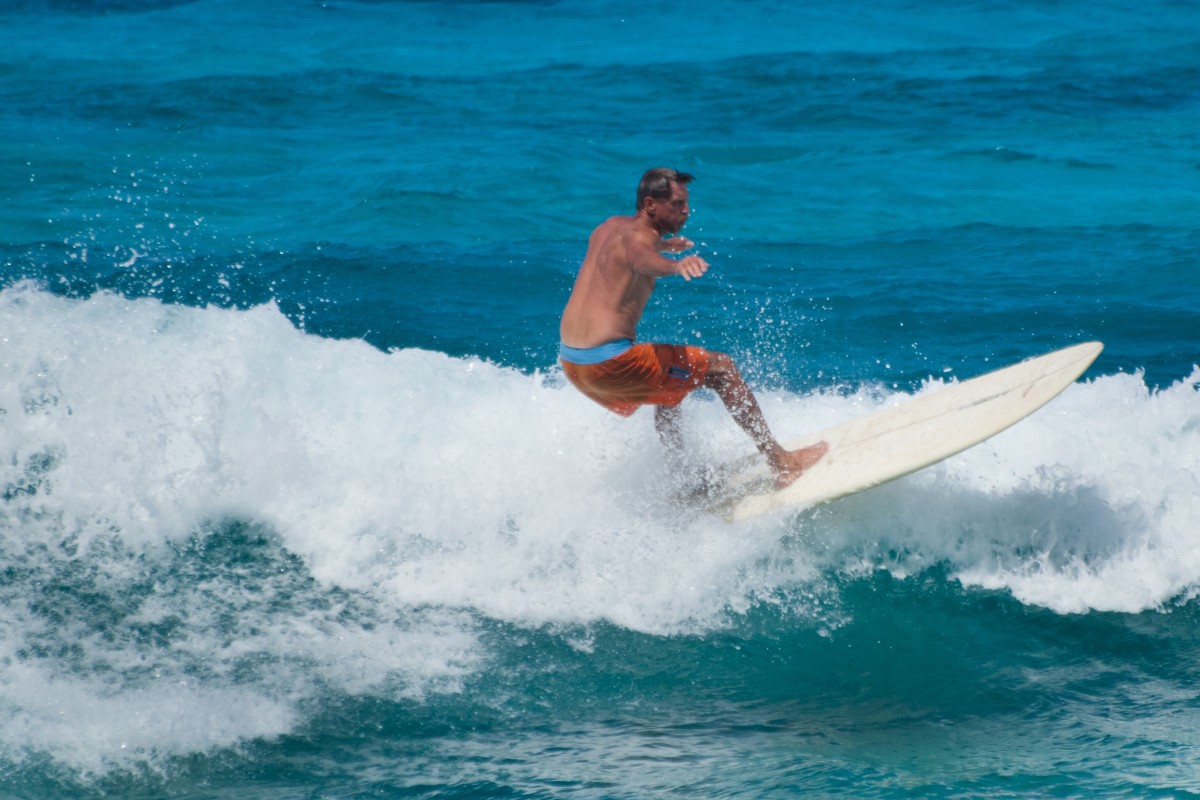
pixel 599 324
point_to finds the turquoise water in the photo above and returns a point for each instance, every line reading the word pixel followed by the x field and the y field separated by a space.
pixel 294 500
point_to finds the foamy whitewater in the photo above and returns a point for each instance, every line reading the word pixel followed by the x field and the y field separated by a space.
pixel 408 495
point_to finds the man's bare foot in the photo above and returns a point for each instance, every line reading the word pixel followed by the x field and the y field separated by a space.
pixel 791 464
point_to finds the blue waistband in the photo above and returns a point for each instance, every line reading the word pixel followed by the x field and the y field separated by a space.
pixel 594 355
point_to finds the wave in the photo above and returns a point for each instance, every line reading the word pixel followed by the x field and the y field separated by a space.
pixel 207 510
pixel 454 482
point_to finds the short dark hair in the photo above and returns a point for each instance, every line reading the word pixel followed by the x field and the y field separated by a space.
pixel 657 183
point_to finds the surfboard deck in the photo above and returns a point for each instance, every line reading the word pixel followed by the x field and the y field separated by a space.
pixel 894 442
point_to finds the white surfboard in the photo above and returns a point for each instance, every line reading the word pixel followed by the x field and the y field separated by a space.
pixel 894 442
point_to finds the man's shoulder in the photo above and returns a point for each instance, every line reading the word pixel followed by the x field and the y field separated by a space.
pixel 627 228
pixel 618 221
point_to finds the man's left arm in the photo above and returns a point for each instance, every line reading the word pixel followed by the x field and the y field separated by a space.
pixel 675 244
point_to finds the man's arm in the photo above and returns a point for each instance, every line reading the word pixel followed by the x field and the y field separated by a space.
pixel 646 257
pixel 676 244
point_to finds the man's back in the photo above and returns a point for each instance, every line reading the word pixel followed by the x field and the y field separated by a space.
pixel 610 295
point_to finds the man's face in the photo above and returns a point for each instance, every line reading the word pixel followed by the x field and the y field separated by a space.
pixel 669 214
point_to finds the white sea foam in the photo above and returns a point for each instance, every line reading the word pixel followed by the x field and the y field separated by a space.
pixel 87 724
pixel 443 490
pixel 457 483
pixel 1090 504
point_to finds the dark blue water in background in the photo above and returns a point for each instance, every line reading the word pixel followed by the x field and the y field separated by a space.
pixel 295 502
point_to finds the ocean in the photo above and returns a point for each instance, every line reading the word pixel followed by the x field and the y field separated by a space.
pixel 295 501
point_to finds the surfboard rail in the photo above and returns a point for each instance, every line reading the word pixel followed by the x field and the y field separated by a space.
pixel 897 441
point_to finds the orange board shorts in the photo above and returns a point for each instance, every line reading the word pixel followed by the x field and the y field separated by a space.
pixel 644 375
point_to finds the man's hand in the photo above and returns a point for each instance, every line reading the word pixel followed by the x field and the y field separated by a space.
pixel 676 244
pixel 692 267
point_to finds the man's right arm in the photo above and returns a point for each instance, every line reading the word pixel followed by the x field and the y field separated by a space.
pixel 645 256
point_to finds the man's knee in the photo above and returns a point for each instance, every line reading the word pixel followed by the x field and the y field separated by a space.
pixel 720 369
pixel 668 415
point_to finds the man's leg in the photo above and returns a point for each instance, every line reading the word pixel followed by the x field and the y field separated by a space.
pixel 666 422
pixel 724 379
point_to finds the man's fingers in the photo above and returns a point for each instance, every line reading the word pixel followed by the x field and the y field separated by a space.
pixel 692 267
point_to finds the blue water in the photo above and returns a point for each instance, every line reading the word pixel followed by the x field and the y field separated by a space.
pixel 295 502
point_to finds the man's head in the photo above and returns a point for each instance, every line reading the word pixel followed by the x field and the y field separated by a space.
pixel 658 182
pixel 662 196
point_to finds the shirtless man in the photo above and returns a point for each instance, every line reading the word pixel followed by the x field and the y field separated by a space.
pixel 624 259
